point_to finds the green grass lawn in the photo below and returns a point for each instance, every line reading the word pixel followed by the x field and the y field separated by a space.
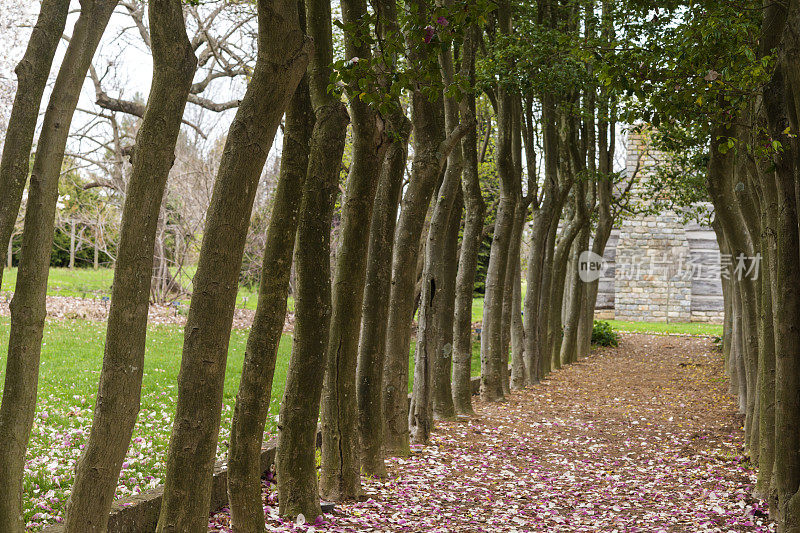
pixel 72 354
pixel 80 282
pixel 683 328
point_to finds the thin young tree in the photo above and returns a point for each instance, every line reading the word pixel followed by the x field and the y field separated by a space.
pixel 298 487
pixel 32 73
pixel 28 309
pixel 118 397
pixel 261 352
pixel 283 52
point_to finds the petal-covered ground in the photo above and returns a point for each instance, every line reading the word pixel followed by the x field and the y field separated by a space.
pixel 641 438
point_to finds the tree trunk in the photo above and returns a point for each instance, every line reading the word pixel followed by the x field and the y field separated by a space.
pixel 426 168
pixel 32 74
pixel 432 393
pixel 118 397
pixel 494 363
pixel 340 478
pixel 298 489
pixel 465 281
pixel 512 309
pixel 283 55
pixel 255 387
pixel 96 262
pixel 71 244
pixel 371 349
pixel 296 459
pixel 375 309
pixel 576 301
pixel 28 308
pixel 443 406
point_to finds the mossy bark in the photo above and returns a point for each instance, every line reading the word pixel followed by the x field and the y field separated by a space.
pixel 28 310
pixel 283 52
pixel 118 397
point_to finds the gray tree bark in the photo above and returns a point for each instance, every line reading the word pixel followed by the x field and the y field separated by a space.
pixel 255 387
pixel 282 59
pixel 28 309
pixel 431 391
pixel 118 397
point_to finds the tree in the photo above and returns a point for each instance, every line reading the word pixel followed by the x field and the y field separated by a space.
pixel 431 390
pixel 340 478
pixel 494 363
pixel 375 308
pixel 28 309
pixel 475 208
pixel 117 403
pixel 252 400
pixel 282 59
pixel 32 73
pixel 298 488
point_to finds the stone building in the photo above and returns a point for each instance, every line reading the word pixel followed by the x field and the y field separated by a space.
pixel 660 268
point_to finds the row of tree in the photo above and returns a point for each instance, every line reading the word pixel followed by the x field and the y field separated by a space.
pixel 723 91
pixel 538 84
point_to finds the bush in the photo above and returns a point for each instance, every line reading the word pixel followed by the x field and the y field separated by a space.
pixel 603 335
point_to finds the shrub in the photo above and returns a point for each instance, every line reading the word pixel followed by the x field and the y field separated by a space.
pixel 603 335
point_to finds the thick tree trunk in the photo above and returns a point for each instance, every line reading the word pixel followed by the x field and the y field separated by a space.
pixel 545 299
pixel 540 228
pixel 375 308
pixel 340 478
pixel 467 264
pixel 32 73
pixel 298 491
pixel 372 344
pixel 283 56
pixel 28 309
pixel 296 459
pixel 255 387
pixel 118 397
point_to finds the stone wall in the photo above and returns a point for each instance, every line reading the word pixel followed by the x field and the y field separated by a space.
pixel 659 268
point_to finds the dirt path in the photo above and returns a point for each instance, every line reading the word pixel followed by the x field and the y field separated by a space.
pixel 642 438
